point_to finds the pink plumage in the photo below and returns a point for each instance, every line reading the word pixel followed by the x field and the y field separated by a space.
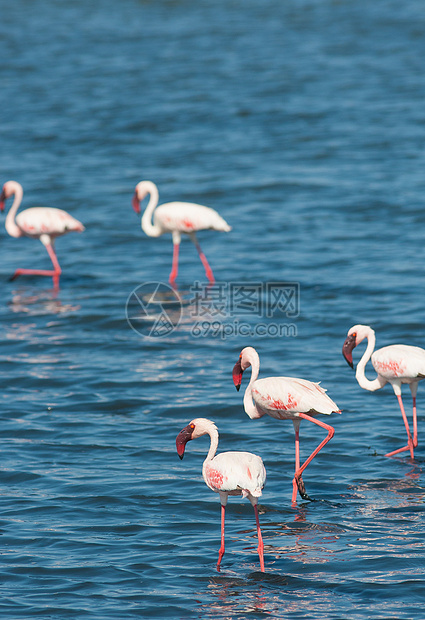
pixel 395 364
pixel 285 398
pixel 177 218
pixel 228 473
pixel 44 223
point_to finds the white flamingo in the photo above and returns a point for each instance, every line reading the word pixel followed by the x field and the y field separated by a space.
pixel 44 223
pixel 285 398
pixel 177 218
pixel 228 473
pixel 395 364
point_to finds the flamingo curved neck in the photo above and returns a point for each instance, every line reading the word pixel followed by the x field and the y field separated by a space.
pixel 248 403
pixel 151 229
pixel 213 433
pixel 362 380
pixel 10 224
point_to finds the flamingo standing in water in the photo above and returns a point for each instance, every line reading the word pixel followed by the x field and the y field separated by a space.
pixel 228 473
pixel 285 398
pixel 177 218
pixel 395 364
pixel 44 223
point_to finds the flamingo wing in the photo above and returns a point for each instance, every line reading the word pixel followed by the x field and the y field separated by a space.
pixel 187 217
pixel 47 220
pixel 284 397
pixel 399 361
pixel 236 471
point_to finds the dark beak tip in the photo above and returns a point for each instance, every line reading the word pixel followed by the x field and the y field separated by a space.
pixel 181 456
pixel 238 387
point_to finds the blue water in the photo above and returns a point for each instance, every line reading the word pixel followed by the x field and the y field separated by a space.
pixel 303 123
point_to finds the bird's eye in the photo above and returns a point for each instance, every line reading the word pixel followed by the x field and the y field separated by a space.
pixel 192 426
pixel 354 335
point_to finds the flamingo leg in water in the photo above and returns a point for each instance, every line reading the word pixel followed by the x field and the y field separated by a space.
pixel 175 267
pixel 406 424
pixel 299 470
pixel 221 552
pixel 204 261
pixel 260 548
pixel 297 459
pixel 415 424
pixel 414 389
pixel 43 272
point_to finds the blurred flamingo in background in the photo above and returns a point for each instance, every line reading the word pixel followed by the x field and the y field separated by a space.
pixel 285 398
pixel 177 218
pixel 228 473
pixel 44 223
pixel 394 364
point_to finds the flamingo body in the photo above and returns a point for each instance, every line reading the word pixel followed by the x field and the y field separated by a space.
pixel 399 361
pixel 228 473
pixel 187 217
pixel 395 364
pixel 285 398
pixel 177 218
pixel 235 473
pixel 43 223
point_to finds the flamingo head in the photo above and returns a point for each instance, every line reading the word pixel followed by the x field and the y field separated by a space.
pixel 136 202
pixel 185 435
pixel 6 192
pixel 237 373
pixel 248 356
pixel 195 429
pixel 355 335
pixel 10 188
pixel 347 348
pixel 142 190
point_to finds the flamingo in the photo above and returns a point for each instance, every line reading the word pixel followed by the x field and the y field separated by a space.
pixel 285 398
pixel 228 473
pixel 394 364
pixel 44 223
pixel 177 218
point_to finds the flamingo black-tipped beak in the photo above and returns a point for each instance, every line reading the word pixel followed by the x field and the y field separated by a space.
pixel 237 375
pixel 136 203
pixel 347 349
pixel 2 200
pixel 182 438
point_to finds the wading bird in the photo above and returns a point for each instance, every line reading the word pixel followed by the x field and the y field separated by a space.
pixel 285 398
pixel 228 473
pixel 176 218
pixel 44 223
pixel 395 364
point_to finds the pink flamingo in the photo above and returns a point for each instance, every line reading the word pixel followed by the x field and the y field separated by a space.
pixel 177 218
pixel 285 398
pixel 395 364
pixel 44 223
pixel 228 473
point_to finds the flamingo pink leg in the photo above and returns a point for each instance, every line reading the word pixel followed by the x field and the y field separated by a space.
pixel 415 424
pixel 260 548
pixel 299 470
pixel 175 267
pixel 297 460
pixel 205 263
pixel 43 272
pixel 221 552
pixel 406 424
